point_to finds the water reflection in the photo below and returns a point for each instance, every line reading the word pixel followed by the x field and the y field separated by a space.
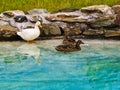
pixel 18 52
pixel 30 50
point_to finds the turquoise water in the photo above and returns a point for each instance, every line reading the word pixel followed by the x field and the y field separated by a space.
pixel 40 67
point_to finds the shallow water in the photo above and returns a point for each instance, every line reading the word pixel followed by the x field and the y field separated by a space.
pixel 40 67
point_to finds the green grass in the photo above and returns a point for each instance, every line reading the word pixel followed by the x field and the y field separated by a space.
pixel 51 5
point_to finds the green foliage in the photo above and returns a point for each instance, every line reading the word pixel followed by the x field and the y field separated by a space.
pixel 50 5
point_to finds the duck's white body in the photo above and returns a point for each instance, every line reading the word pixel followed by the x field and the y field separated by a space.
pixel 30 34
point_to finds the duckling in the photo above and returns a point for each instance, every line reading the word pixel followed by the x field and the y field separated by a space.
pixel 68 40
pixel 68 48
pixel 30 34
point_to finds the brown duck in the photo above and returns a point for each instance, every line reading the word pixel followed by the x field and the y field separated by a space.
pixel 68 40
pixel 69 48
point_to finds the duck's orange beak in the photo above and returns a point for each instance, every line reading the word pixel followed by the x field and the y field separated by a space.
pixel 40 26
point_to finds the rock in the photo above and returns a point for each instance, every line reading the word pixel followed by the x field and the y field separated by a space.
pixel 8 32
pixel 66 10
pixel 117 20
pixel 112 33
pixel 103 23
pixel 74 28
pixel 34 18
pixel 3 23
pixel 104 9
pixel 93 32
pixel 12 13
pixel 21 23
pixel 37 11
pixel 116 9
pixel 20 19
pixel 61 24
pixel 8 14
pixel 76 16
pixel 83 27
pixel 50 29
pixel 102 15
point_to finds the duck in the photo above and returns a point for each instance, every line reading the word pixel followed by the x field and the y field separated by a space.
pixel 29 34
pixel 68 40
pixel 68 48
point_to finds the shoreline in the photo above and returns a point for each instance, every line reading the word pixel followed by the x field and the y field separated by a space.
pixel 61 37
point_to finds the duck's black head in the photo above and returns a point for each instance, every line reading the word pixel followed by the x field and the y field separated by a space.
pixel 80 42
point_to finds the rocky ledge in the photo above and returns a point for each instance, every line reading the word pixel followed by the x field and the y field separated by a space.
pixel 98 21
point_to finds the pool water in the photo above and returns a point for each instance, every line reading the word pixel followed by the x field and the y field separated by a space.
pixel 40 67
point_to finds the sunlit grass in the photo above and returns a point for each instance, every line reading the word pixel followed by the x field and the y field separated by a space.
pixel 51 5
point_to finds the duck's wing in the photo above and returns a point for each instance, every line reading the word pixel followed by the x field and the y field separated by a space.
pixel 25 32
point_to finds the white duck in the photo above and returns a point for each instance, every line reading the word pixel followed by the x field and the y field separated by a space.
pixel 30 34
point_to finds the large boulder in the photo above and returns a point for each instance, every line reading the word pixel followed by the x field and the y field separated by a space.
pixel 112 33
pixel 37 11
pixel 104 9
pixel 75 28
pixel 117 20
pixel 11 13
pixel 76 16
pixel 50 30
pixel 102 15
pixel 8 32
pixel 116 9
pixel 13 18
pixel 20 18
